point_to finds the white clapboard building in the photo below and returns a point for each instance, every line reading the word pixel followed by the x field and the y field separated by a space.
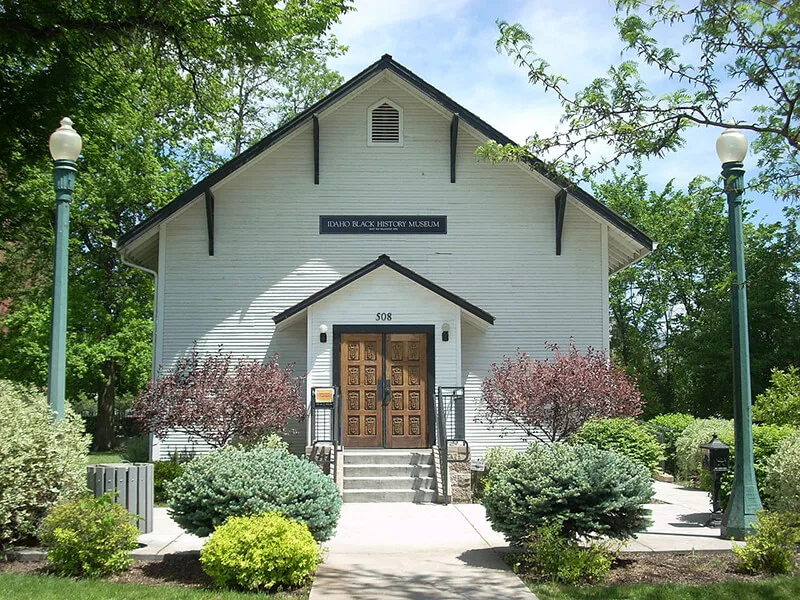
pixel 364 242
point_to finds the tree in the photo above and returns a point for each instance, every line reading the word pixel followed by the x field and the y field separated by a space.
pixel 51 49
pixel 670 312
pixel 556 397
pixel 216 401
pixel 148 87
pixel 780 402
pixel 747 53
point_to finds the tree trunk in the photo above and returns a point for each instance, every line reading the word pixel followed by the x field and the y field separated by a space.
pixel 104 426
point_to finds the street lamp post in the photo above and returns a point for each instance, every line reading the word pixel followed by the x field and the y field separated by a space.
pixel 744 502
pixel 65 146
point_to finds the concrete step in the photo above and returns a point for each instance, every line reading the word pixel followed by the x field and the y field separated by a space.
pixel 374 470
pixel 388 483
pixel 380 495
pixel 387 457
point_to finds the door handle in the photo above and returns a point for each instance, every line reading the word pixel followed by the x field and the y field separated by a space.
pixel 385 391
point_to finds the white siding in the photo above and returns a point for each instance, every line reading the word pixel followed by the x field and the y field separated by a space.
pixel 499 251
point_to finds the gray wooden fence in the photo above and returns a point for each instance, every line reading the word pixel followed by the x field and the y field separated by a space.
pixel 133 485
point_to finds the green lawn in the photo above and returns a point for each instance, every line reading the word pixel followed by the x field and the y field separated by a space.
pixel 47 587
pixel 778 588
pixel 97 458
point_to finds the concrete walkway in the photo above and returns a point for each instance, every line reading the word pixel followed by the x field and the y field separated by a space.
pixel 397 551
pixel 679 523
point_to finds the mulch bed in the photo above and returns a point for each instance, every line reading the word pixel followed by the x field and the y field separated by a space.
pixel 677 567
pixel 180 570
pixel 684 568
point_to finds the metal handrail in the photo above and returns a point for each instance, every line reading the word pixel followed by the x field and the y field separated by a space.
pixel 443 437
pixel 331 438
pixel 441 441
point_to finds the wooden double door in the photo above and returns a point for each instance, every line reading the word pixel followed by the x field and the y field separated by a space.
pixel 384 385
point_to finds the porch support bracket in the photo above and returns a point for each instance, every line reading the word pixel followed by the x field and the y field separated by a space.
pixel 561 207
pixel 315 119
pixel 210 221
pixel 453 146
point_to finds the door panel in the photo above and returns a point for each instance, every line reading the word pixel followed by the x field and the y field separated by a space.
pixel 384 383
pixel 361 370
pixel 406 367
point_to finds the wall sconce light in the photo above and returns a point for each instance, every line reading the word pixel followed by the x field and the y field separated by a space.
pixel 445 332
pixel 323 333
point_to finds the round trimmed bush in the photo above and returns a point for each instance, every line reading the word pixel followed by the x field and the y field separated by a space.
pixel 89 537
pixel 260 553
pixel 623 436
pixel 782 481
pixel 236 481
pixel 42 461
pixel 587 490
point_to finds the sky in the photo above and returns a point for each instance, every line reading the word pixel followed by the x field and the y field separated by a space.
pixel 451 45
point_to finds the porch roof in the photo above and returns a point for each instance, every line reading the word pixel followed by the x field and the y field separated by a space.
pixel 384 261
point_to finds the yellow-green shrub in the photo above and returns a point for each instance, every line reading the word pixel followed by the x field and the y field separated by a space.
pixel 89 537
pixel 624 436
pixel 42 461
pixel 260 553
pixel 773 546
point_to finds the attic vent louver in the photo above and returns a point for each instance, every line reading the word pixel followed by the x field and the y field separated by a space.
pixel 385 124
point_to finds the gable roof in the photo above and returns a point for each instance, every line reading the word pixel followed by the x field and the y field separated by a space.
pixel 386 63
pixel 384 261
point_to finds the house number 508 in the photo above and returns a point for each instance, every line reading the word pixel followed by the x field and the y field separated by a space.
pixel 383 316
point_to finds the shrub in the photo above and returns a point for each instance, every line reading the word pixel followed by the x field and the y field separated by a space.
pixel 689 456
pixel 623 436
pixel 42 461
pixel 239 481
pixel 89 537
pixel 780 402
pixel 588 491
pixel 495 459
pixel 556 397
pixel 782 476
pixel 667 428
pixel 164 471
pixel 272 440
pixel 674 422
pixel 552 556
pixel 260 553
pixel 773 546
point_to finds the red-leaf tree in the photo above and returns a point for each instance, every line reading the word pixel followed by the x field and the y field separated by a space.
pixel 555 397
pixel 211 398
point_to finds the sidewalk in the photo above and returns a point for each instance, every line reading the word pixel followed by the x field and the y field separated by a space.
pixel 406 551
pixel 679 523
pixel 679 520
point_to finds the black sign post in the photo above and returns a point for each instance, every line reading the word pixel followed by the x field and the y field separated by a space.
pixel 358 224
